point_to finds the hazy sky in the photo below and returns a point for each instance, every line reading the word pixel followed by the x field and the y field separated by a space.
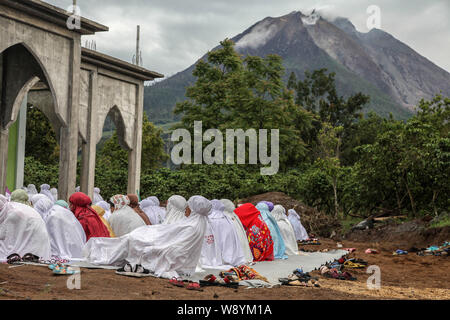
pixel 175 33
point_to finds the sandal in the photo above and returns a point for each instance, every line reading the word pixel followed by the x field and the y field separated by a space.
pixel 194 286
pixel 29 257
pixel 13 258
pixel 64 270
pixel 178 282
pixel 351 264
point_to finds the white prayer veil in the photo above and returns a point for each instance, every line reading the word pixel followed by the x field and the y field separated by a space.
pixel 35 198
pixel 67 236
pixel 45 190
pixel 31 189
pixel 286 229
pixel 300 231
pixel 22 230
pixel 167 250
pixel 43 207
pixel 97 197
pixel 54 192
pixel 240 231
pixel 176 209
pixel 154 212
pixel 225 235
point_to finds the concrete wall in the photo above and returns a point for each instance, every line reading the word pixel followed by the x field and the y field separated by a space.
pixel 51 51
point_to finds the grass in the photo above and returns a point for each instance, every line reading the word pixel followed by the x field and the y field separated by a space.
pixel 348 222
pixel 442 223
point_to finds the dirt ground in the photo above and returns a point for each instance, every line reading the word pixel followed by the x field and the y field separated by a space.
pixel 402 277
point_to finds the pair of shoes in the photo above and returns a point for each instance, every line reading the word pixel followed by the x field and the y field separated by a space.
pixel 28 257
pixel 137 271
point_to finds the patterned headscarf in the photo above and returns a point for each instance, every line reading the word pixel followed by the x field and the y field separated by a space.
pixel 120 201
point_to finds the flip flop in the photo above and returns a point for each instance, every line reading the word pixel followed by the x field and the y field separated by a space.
pixel 194 286
pixel 13 258
pixel 178 282
pixel 64 270
pixel 350 264
pixel 29 257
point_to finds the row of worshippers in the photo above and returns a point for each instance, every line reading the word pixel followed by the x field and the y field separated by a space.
pixel 229 236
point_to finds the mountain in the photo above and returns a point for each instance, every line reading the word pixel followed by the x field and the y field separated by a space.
pixel 375 63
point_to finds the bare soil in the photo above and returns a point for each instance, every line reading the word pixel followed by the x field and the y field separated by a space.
pixel 402 277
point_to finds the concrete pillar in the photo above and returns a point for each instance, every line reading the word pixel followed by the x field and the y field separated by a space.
pixel 134 156
pixel 89 148
pixel 21 137
pixel 4 137
pixel 69 134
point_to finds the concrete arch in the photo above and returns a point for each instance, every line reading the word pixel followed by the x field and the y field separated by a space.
pixel 22 70
pixel 116 115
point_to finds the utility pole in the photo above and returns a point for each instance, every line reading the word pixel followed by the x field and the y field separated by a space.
pixel 138 54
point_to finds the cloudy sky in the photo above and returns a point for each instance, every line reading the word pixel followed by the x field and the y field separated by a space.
pixel 175 33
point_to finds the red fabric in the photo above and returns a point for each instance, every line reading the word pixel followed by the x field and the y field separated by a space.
pixel 88 217
pixel 258 234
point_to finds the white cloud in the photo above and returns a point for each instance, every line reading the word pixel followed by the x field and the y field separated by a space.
pixel 258 36
pixel 175 33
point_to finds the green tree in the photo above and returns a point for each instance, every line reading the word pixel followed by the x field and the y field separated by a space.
pixel 328 160
pixel 236 92
pixel 40 141
pixel 153 154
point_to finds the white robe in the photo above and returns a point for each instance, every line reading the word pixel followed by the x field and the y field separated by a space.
pixel 210 257
pixel 67 236
pixel 154 212
pixel 227 239
pixel 240 231
pixel 167 250
pixel 97 197
pixel 31 189
pixel 300 231
pixel 176 209
pixel 45 190
pixel 125 220
pixel 286 229
pixel 43 206
pixel 22 231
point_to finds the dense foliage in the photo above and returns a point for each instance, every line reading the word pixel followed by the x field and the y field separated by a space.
pixel 332 157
